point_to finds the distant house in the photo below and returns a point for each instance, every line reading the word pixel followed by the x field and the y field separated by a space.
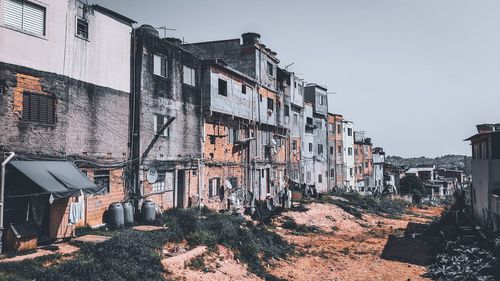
pixel 485 190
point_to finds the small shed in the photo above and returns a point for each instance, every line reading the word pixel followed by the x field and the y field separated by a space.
pixel 20 238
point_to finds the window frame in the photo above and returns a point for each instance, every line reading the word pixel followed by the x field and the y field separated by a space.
pixel 163 71
pixel 156 125
pixel 21 28
pixel 28 99
pixel 222 87
pixel 77 34
pixel 99 175
pixel 192 75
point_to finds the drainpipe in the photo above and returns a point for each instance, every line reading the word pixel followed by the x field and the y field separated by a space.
pixel 2 192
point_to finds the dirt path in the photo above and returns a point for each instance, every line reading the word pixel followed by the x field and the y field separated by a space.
pixel 351 249
pixel 347 249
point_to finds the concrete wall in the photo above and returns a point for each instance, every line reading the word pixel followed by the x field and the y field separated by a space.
pixel 235 103
pixel 480 187
pixel 169 96
pixel 103 59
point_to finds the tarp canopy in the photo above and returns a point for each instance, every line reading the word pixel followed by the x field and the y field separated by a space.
pixel 61 179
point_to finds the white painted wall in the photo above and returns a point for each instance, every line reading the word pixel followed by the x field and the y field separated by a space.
pixel 348 142
pixel 103 60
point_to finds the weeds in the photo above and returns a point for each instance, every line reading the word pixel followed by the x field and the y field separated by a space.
pixel 356 203
pixel 299 229
pixel 460 261
pixel 135 255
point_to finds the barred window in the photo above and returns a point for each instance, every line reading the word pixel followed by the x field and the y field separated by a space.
pixel 101 178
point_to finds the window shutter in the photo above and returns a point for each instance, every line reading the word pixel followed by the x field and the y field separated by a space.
pixel 13 13
pixel 33 18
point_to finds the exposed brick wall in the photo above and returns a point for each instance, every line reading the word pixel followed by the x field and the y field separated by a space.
pixel 223 173
pixel 96 205
pixel 90 120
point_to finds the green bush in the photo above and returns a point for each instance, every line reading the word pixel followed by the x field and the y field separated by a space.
pixel 354 204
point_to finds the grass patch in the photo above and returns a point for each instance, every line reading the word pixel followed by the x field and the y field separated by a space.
pixel 356 204
pixel 135 255
pixel 299 229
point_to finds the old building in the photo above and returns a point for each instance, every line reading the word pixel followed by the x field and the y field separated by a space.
pixel 485 192
pixel 378 170
pixel 268 149
pixel 336 151
pixel 308 146
pixel 166 120
pixel 424 172
pixel 230 103
pixel 348 161
pixel 292 88
pixel 316 95
pixel 363 162
pixel 65 84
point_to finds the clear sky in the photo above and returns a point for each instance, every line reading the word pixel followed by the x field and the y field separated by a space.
pixel 416 75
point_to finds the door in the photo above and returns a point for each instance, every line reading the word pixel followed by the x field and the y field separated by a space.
pixel 181 184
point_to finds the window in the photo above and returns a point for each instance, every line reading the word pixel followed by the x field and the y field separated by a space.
pixel 332 173
pixel 24 15
pixel 260 97
pixel 309 121
pixel 159 65
pixel 339 149
pixel 223 87
pixel 82 28
pixel 350 171
pixel 188 76
pixel 213 187
pixel 349 132
pixel 270 69
pixel 294 145
pixel 331 128
pixel 101 178
pixel 287 110
pixel 320 178
pixel 159 185
pixel 338 129
pixel 320 149
pixel 295 84
pixel 232 136
pixel 349 151
pixel 295 118
pixel 243 89
pixel 38 108
pixel 270 104
pixel 331 150
pixel 159 121
pixel 310 147
pixel 321 99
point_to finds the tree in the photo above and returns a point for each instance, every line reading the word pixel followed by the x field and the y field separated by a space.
pixel 411 184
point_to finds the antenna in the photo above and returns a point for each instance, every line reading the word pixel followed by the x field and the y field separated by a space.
pixel 164 28
pixel 286 67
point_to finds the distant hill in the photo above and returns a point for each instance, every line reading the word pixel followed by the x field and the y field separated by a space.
pixel 446 161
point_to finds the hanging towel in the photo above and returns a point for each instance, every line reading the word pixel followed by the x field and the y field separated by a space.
pixel 75 212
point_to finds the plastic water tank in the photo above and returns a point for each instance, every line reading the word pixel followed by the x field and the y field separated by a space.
pixel 148 212
pixel 128 213
pixel 115 216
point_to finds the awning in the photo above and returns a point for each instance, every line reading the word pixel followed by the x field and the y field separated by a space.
pixel 61 179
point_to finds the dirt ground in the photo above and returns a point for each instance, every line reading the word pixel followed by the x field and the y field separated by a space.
pixel 347 249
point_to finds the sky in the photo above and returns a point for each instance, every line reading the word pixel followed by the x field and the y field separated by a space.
pixel 416 76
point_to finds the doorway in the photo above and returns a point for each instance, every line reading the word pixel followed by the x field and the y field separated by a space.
pixel 181 184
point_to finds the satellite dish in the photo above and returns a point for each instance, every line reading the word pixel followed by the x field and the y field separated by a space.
pixel 228 184
pixel 152 175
